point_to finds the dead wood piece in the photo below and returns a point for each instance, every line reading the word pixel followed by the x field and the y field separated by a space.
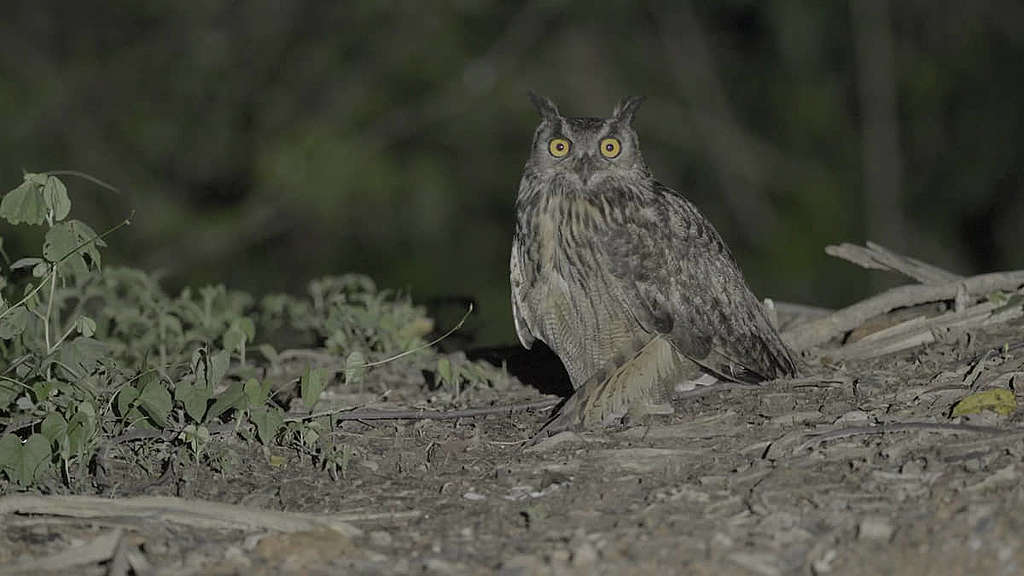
pixel 804 310
pixel 99 549
pixel 877 257
pixel 819 331
pixel 902 328
pixel 912 333
pixel 195 513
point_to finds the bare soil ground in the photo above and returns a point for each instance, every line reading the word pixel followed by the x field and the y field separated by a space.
pixel 856 468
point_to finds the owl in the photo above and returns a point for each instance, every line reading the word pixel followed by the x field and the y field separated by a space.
pixel 623 278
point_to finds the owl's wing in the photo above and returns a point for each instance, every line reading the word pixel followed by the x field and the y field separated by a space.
pixel 677 276
pixel 519 309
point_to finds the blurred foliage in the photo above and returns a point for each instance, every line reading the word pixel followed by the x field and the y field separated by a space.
pixel 267 143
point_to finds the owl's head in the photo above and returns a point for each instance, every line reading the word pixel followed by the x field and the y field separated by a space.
pixel 586 151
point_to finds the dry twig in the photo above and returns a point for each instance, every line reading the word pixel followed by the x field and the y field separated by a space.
pixel 194 513
pixel 818 332
pixel 100 549
pixel 877 257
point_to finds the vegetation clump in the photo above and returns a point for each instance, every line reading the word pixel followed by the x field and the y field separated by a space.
pixel 91 356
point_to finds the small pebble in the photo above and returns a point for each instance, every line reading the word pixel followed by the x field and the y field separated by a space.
pixel 875 528
pixel 380 538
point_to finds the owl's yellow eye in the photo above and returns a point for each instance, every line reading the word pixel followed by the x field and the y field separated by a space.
pixel 558 147
pixel 610 147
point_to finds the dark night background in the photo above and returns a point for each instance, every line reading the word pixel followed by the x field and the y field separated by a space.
pixel 263 144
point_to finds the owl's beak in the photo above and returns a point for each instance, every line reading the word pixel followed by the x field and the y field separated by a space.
pixel 585 168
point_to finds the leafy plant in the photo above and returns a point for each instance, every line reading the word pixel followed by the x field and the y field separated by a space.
pixel 92 354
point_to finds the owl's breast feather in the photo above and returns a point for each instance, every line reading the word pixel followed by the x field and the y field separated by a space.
pixel 565 291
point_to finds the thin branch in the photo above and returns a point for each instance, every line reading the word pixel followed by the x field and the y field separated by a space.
pixel 127 221
pixel 194 513
pixel 99 549
pixel 819 331
pixel 877 257
pixel 920 330
pixel 433 342
pixel 84 176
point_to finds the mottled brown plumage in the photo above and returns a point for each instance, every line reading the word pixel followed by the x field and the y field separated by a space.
pixel 622 277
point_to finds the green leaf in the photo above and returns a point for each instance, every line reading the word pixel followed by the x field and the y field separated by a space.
pixel 129 411
pixel 42 389
pixel 233 338
pixel 13 321
pixel 256 393
pixel 62 241
pixel 247 326
pixel 10 453
pixel 355 368
pixel 126 399
pixel 444 371
pixel 999 400
pixel 269 353
pixel 210 369
pixel 196 436
pixel 195 391
pixel 86 326
pixel 82 354
pixel 23 464
pixel 268 421
pixel 233 398
pixel 311 385
pixel 24 204
pixel 54 426
pixel 59 242
pixel 154 400
pixel 242 331
pixel 55 195
pixel 81 428
pixel 35 458
pixel 26 263
pixel 8 392
pixel 194 397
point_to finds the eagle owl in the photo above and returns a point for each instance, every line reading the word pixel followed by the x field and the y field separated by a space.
pixel 623 278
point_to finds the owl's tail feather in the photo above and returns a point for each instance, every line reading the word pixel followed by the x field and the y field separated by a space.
pixel 772 364
pixel 638 387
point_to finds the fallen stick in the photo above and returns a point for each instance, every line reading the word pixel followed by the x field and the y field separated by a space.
pixel 99 549
pixel 819 331
pixel 919 331
pixel 194 513
pixel 877 257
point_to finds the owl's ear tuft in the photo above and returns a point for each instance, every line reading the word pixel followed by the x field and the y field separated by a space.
pixel 547 109
pixel 626 109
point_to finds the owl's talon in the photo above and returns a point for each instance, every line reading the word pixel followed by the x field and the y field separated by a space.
pixel 565 419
